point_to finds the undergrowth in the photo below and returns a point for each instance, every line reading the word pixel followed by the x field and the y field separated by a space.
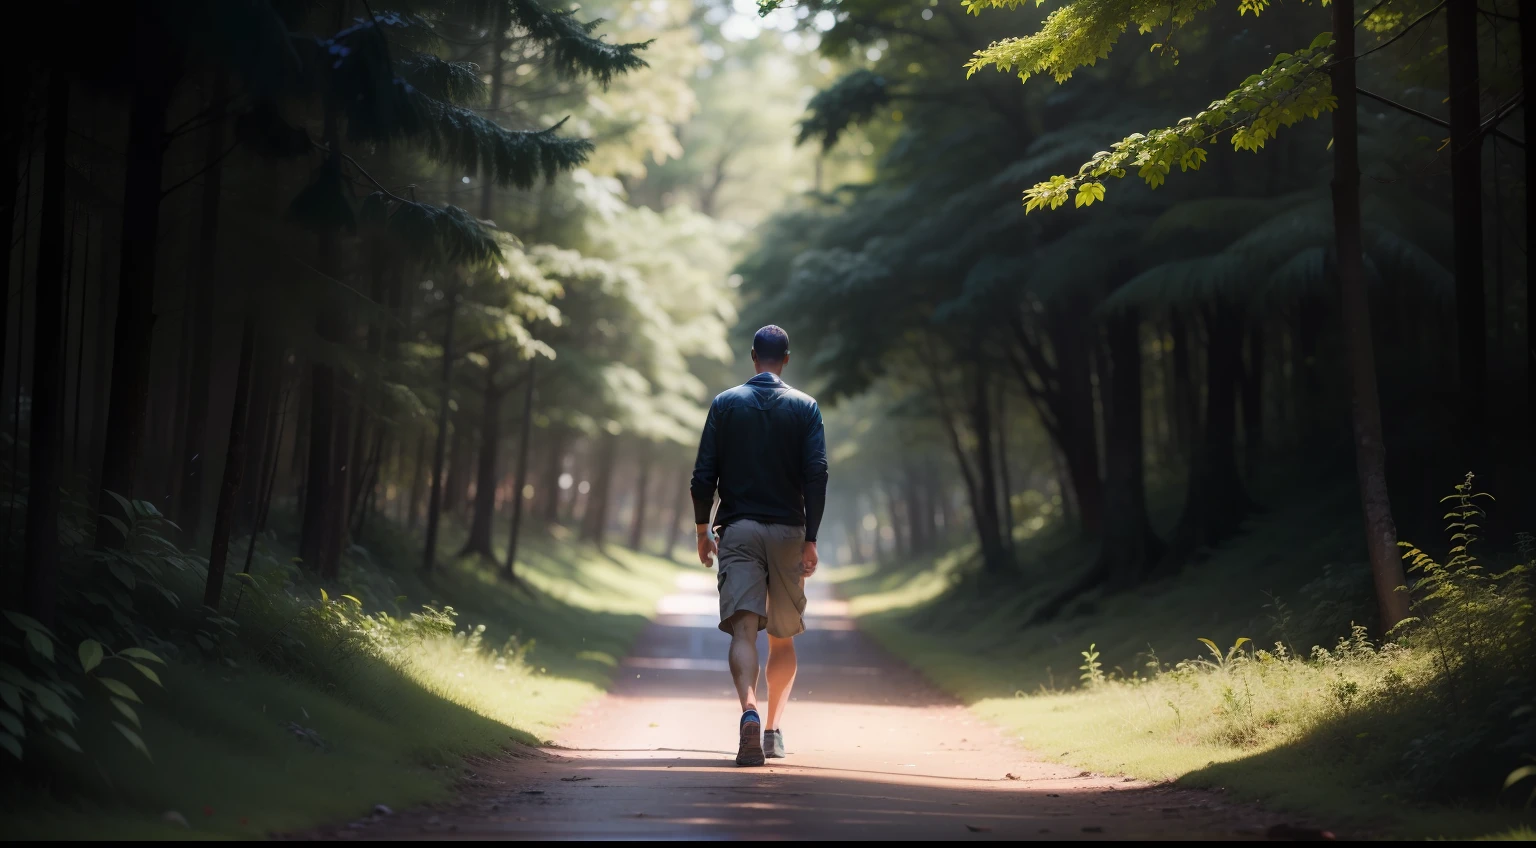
pixel 297 702
pixel 1426 732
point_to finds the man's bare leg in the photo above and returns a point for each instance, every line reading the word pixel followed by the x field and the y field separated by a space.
pixel 743 658
pixel 743 661
pixel 782 665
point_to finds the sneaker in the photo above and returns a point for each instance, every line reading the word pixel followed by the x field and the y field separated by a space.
pixel 773 744
pixel 751 751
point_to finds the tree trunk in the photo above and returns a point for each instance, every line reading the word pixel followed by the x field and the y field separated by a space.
pixel 521 481
pixel 479 541
pixel 457 481
pixel 133 335
pixel 366 502
pixel 320 472
pixel 45 439
pixel 1253 403
pixel 912 501
pixel 1528 77
pixel 988 522
pixel 1370 449
pixel 435 500
pixel 200 372
pixel 337 525
pixel 324 481
pixel 554 458
pixel 1130 545
pixel 270 465
pixel 594 527
pixel 680 507
pixel 877 538
pixel 1467 225
pixel 234 466
pixel 1185 403
pixel 261 412
pixel 855 546
pixel 936 496
pixel 978 481
pixel 15 128
pixel 901 540
pixel 1079 443
pixel 1005 515
pixel 642 484
pixel 1216 502
pixel 418 485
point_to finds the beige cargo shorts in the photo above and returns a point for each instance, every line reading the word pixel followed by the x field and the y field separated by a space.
pixel 760 572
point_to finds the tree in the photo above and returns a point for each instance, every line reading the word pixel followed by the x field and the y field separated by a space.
pixel 158 65
pixel 41 563
pixel 1297 85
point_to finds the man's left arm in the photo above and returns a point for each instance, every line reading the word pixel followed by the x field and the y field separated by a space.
pixel 813 473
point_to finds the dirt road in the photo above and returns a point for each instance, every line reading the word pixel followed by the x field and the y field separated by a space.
pixel 874 753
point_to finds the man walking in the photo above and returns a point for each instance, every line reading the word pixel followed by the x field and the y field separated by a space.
pixel 765 451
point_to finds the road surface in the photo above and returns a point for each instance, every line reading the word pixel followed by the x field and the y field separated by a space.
pixel 875 752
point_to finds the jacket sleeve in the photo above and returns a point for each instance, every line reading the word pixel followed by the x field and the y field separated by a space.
pixel 706 469
pixel 814 473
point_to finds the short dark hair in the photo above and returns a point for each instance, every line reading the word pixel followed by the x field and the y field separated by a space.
pixel 771 344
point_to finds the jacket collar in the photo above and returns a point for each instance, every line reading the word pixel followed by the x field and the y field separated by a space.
pixel 766 378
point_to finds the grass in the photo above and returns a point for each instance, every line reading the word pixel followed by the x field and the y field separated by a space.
pixel 1335 736
pixel 318 730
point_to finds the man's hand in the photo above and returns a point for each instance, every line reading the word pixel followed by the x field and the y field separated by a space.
pixel 707 548
pixel 808 559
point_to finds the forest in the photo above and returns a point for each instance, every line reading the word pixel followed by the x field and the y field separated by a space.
pixel 343 342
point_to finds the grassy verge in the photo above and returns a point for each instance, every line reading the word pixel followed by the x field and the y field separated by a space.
pixel 1358 737
pixel 312 713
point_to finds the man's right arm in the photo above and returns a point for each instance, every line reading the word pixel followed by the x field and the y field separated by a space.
pixel 706 476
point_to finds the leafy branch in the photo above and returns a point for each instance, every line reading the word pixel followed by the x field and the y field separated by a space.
pixel 1080 33
pixel 1294 86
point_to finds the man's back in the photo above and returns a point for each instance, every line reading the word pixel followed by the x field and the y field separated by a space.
pixel 764 447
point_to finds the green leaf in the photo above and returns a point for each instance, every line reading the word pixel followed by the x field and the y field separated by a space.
pixel 123 575
pixel 120 689
pixel 12 724
pixel 1211 646
pixel 118 523
pixel 127 507
pixel 141 654
pixel 66 740
pixel 11 744
pixel 41 643
pixel 27 623
pixel 147 672
pixel 127 711
pixel 1518 775
pixel 324 598
pixel 133 739
pixel 90 655
pixel 11 696
pixel 51 702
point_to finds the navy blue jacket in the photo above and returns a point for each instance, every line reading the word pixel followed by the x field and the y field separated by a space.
pixel 765 451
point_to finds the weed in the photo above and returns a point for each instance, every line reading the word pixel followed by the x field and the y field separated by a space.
pixel 1093 670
